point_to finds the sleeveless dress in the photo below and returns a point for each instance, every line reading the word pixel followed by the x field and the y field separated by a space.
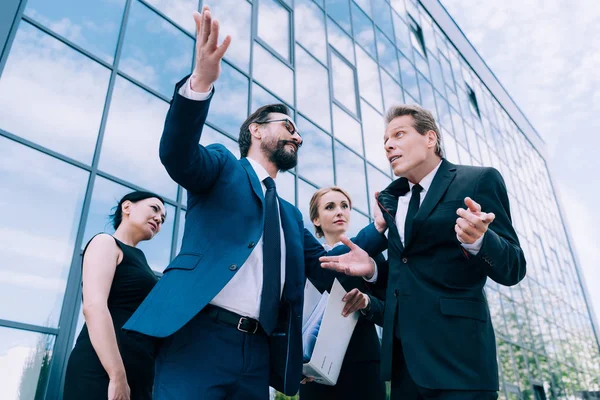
pixel 85 377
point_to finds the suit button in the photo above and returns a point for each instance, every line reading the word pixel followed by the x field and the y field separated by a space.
pixel 232 267
pixel 251 245
pixel 404 260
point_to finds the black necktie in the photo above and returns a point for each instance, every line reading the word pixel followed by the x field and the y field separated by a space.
pixel 271 290
pixel 413 207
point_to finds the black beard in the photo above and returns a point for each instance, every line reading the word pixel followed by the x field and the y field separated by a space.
pixel 282 158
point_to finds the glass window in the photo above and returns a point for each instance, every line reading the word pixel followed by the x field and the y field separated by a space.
pixel 374 129
pixel 342 42
pixel 105 197
pixel 273 74
pixel 427 100
pixel 211 136
pixel 229 105
pixel 180 11
pixel 392 93
pixel 260 97
pixel 134 127
pixel 402 36
pixel 350 176
pixel 339 10
pixel 357 222
pixel 180 230
pixel 450 151
pixel 154 51
pixel 42 199
pixel 235 20
pixel 436 74
pixel 312 96
pixel 94 26
pixel 363 30
pixel 368 78
pixel 377 182
pixel 387 55
pixel 45 75
pixel 347 130
pixel 365 5
pixel 344 86
pixel 310 21
pixel 305 193
pixel 286 186
pixel 274 26
pixel 315 160
pixel 409 77
pixel 383 17
pixel 399 7
pixel 25 359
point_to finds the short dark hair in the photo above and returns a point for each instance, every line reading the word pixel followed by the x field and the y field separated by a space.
pixel 423 121
pixel 117 216
pixel 260 115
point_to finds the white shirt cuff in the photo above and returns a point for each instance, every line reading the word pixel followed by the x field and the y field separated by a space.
pixel 374 277
pixel 472 248
pixel 186 91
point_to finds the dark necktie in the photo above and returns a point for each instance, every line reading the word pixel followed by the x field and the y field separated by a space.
pixel 271 290
pixel 413 207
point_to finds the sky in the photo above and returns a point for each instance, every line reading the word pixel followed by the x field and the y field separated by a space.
pixel 547 56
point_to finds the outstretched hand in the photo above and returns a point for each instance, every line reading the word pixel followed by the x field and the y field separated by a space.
pixel 208 54
pixel 472 223
pixel 354 263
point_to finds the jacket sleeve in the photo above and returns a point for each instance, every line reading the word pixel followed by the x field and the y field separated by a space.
pixel 501 255
pixel 188 163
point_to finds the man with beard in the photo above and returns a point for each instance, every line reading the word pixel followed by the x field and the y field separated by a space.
pixel 230 304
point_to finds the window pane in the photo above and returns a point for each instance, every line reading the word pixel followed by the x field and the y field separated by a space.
pixel 25 359
pixel 374 129
pixel 305 192
pixel 363 30
pixel 357 222
pixel 235 20
pixel 180 11
pixel 383 17
pixel 154 51
pixel 350 176
pixel 180 230
pixel 134 126
pixel 377 182
pixel 310 20
pixel 105 197
pixel 409 77
pixel 286 187
pixel 274 26
pixel 365 5
pixel 347 129
pixel 339 10
pixel 211 136
pixel 260 97
pixel 342 42
pixel 229 105
pixel 44 75
pixel 38 242
pixel 344 87
pixel 92 25
pixel 266 66
pixel 315 159
pixel 368 78
pixel 402 38
pixel 392 93
pixel 312 95
pixel 387 55
pixel 427 100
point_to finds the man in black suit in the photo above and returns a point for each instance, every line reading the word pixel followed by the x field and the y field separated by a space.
pixel 438 339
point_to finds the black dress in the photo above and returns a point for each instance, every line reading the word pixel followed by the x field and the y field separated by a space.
pixel 85 377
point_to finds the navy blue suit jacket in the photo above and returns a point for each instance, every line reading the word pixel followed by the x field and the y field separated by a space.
pixel 224 221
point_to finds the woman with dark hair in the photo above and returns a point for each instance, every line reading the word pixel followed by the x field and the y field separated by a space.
pixel 359 377
pixel 106 362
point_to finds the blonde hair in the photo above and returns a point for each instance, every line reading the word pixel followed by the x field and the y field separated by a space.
pixel 314 205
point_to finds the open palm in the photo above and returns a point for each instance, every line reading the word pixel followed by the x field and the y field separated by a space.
pixel 354 263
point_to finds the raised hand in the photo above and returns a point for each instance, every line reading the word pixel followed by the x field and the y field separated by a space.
pixel 380 223
pixel 472 222
pixel 208 54
pixel 355 263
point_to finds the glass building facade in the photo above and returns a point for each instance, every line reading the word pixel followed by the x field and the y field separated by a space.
pixel 84 89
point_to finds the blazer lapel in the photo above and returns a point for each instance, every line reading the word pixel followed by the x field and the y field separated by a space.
pixel 253 179
pixel 388 203
pixel 442 179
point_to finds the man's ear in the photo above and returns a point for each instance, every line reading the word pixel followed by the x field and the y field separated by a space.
pixel 254 129
pixel 431 139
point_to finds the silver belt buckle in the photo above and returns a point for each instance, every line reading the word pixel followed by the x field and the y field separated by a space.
pixel 239 326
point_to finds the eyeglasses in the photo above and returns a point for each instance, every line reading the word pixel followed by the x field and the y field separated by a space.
pixel 291 128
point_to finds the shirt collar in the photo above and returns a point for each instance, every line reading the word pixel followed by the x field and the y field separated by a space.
pixel 327 247
pixel 426 181
pixel 259 170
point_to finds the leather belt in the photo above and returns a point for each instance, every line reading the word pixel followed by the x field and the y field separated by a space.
pixel 241 323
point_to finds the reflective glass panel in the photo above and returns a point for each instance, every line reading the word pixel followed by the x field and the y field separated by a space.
pixel 45 75
pixel 260 97
pixel 312 96
pixel 392 92
pixel 315 158
pixel 273 74
pixel 305 193
pixel 427 100
pixel 402 38
pixel 180 230
pixel 132 136
pixel 350 176
pixel 363 30
pixel 229 105
pixel 377 182
pixel 365 5
pixel 42 199
pixel 340 41
pixel 339 10
pixel 347 129
pixel 344 87
pixel 25 359
pixel 383 17
pixel 180 11
pixel 357 222
pixel 286 187
pixel 387 55
pixel 274 26
pixel 409 77
pixel 374 129
pixel 211 136
pixel 94 26
pixel 368 78
pixel 310 21
pixel 155 52
pixel 235 20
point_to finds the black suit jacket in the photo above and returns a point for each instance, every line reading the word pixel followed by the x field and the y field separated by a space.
pixel 435 301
